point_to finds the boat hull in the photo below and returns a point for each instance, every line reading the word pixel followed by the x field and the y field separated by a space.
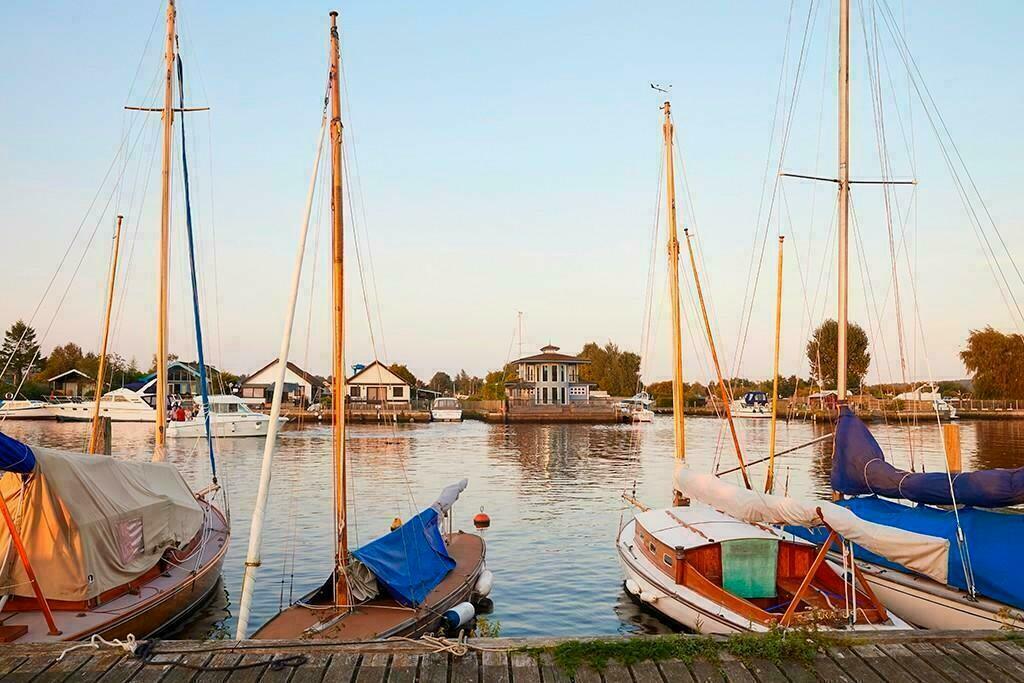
pixel 256 425
pixel 384 618
pixel 82 412
pixel 158 605
pixel 929 604
pixel 45 412
pixel 442 415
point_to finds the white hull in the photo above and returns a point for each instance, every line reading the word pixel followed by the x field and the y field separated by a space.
pixel 117 412
pixel 446 415
pixel 931 605
pixel 689 608
pixel 643 416
pixel 752 414
pixel 27 410
pixel 223 426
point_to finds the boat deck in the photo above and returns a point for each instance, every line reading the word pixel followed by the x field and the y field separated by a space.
pixel 961 656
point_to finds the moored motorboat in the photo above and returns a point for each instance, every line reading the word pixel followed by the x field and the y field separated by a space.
pixel 26 409
pixel 120 405
pixel 753 404
pixel 446 409
pixel 229 417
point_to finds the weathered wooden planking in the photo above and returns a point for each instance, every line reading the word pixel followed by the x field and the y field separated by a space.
pixel 960 657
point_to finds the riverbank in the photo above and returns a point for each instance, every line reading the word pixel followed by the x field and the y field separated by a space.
pixel 961 656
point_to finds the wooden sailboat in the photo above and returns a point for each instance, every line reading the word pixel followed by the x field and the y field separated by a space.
pixel 369 594
pixel 138 555
pixel 706 566
pixel 982 589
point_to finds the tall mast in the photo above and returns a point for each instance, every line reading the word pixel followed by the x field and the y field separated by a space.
pixel 94 434
pixel 165 226
pixel 341 592
pixel 673 283
pixel 844 194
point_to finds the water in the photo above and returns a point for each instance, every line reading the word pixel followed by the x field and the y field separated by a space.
pixel 552 491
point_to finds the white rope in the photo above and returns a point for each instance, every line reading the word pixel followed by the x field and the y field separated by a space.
pixel 128 644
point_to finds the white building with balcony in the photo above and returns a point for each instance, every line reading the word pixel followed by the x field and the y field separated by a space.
pixel 549 378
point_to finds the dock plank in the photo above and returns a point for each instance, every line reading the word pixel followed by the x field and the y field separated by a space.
pixel 62 669
pixel 218 670
pixel 854 666
pixel 97 667
pixel 674 671
pixel 825 669
pixel 185 674
pixel 465 669
pixel 434 668
pixel 404 668
pixel 734 670
pixel 706 672
pixel 1011 648
pixel 766 672
pixel 936 661
pixel 587 674
pixel 373 668
pixel 1013 668
pixel 884 665
pixel 525 669
pixel 494 667
pixel 614 672
pixel 646 672
pixel 970 660
pixel 250 668
pixel 551 672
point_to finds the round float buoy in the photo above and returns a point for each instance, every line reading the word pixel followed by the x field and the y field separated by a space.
pixel 395 523
pixel 481 520
pixel 457 616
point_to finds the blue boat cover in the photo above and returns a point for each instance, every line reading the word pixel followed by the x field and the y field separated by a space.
pixel 411 560
pixel 996 556
pixel 15 456
pixel 859 467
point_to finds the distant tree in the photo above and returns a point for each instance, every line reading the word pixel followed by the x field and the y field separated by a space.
pixel 614 370
pixel 493 387
pixel 70 357
pixel 20 352
pixel 996 361
pixel 465 384
pixel 822 352
pixel 171 357
pixel 406 374
pixel 660 389
pixel 441 382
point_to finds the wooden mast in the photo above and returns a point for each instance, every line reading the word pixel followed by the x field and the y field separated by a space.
pixel 769 479
pixel 341 590
pixel 94 434
pixel 673 284
pixel 159 452
pixel 844 196
pixel 718 366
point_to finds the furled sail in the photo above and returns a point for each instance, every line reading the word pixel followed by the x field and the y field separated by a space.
pixel 859 468
pixel 411 560
pixel 928 555
pixel 91 523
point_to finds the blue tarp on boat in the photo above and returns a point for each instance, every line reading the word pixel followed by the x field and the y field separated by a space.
pixel 15 456
pixel 992 542
pixel 859 468
pixel 411 560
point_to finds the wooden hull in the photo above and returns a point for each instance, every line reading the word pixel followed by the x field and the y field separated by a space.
pixel 156 607
pixel 382 617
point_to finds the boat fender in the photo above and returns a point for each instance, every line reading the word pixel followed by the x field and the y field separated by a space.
pixel 649 598
pixel 458 616
pixel 632 587
pixel 484 583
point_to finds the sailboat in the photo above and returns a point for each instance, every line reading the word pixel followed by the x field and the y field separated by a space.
pixel 142 551
pixel 713 563
pixel 982 589
pixel 406 583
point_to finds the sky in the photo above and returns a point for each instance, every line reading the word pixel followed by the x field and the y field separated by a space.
pixel 505 157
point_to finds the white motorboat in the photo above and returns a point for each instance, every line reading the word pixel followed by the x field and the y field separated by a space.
pixel 929 393
pixel 446 409
pixel 754 404
pixel 229 417
pixel 637 408
pixel 120 405
pixel 26 409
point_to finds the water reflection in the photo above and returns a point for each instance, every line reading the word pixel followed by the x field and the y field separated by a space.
pixel 552 491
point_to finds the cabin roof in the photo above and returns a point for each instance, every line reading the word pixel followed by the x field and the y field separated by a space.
pixel 376 374
pixel 72 371
pixel 704 526
pixel 552 357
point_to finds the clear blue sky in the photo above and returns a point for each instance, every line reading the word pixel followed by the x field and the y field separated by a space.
pixel 508 159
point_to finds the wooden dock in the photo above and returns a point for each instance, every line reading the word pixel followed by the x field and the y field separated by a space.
pixel 955 656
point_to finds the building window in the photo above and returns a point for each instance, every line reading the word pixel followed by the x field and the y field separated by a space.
pixel 545 373
pixel 354 390
pixel 562 393
pixel 398 392
pixel 563 372
pixel 544 394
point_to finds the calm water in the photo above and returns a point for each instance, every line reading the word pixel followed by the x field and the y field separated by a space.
pixel 552 491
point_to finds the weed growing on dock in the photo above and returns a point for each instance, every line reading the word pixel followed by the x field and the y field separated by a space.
pixel 775 646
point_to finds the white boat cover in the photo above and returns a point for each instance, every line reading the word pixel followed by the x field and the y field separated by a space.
pixel 91 522
pixel 928 555
pixel 449 495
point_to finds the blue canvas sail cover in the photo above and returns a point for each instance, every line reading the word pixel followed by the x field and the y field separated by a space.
pixel 411 560
pixel 15 456
pixel 859 468
pixel 990 536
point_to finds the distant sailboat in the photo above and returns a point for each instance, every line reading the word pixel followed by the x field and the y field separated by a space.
pixel 403 583
pixel 137 555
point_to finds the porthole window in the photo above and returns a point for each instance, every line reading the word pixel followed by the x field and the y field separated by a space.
pixel 667 560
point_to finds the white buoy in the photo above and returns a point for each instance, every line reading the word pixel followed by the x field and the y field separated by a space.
pixel 459 616
pixel 485 583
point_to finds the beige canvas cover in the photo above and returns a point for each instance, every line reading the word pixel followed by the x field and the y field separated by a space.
pixel 93 522
pixel 928 555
